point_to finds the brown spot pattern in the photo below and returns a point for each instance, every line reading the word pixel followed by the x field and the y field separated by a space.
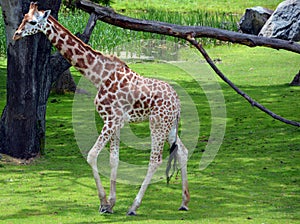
pixel 78 52
pixel 90 58
pixel 109 66
pixel 59 44
pixel 71 42
pixel 113 88
pixel 97 68
pixel 80 47
pixel 48 32
pixel 68 53
pixel 81 64
pixel 53 41
pixel 63 35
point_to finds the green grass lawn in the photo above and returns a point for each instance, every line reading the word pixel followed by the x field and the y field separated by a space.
pixel 253 179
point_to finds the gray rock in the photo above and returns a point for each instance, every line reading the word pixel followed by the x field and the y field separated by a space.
pixel 296 80
pixel 284 22
pixel 254 19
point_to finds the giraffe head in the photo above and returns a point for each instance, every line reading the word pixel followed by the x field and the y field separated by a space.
pixel 32 23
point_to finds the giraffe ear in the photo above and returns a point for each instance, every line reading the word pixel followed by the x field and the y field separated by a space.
pixel 46 14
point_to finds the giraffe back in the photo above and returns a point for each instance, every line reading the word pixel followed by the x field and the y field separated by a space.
pixel 134 98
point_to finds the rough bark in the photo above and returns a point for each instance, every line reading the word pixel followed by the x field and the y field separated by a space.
pixel 22 123
pixel 31 70
pixel 65 83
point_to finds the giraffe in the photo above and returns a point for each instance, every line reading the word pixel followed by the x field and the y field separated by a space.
pixel 123 96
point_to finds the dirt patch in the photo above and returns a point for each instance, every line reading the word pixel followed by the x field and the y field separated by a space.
pixel 5 159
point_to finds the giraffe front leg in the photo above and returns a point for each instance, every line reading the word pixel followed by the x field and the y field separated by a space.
pixel 92 160
pixel 92 157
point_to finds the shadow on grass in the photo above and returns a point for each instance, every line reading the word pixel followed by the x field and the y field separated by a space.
pixel 254 176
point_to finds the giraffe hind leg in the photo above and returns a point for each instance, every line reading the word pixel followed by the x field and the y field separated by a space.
pixel 138 200
pixel 158 141
pixel 182 155
pixel 178 153
pixel 114 162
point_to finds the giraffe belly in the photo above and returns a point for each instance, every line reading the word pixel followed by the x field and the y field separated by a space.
pixel 136 115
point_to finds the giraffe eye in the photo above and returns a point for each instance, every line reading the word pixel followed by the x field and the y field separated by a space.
pixel 32 22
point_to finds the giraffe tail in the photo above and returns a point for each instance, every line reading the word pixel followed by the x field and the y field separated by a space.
pixel 173 150
pixel 172 162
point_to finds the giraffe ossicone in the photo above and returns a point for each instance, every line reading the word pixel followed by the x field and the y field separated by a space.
pixel 123 96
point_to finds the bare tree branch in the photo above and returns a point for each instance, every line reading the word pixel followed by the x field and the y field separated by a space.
pixel 108 15
pixel 236 89
pixel 189 33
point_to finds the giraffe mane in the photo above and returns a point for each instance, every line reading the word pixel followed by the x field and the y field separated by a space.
pixel 112 58
pixel 118 60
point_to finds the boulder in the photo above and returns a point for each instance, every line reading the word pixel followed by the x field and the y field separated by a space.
pixel 296 80
pixel 284 22
pixel 254 19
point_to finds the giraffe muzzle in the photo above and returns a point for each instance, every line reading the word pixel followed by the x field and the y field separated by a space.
pixel 17 35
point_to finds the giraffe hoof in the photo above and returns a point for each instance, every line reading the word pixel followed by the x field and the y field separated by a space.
pixel 183 208
pixel 131 213
pixel 105 209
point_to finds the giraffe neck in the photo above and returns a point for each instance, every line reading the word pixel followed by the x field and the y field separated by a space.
pixel 92 64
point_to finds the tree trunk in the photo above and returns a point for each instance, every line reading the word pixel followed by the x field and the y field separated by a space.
pixel 64 83
pixel 22 125
pixel 31 71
